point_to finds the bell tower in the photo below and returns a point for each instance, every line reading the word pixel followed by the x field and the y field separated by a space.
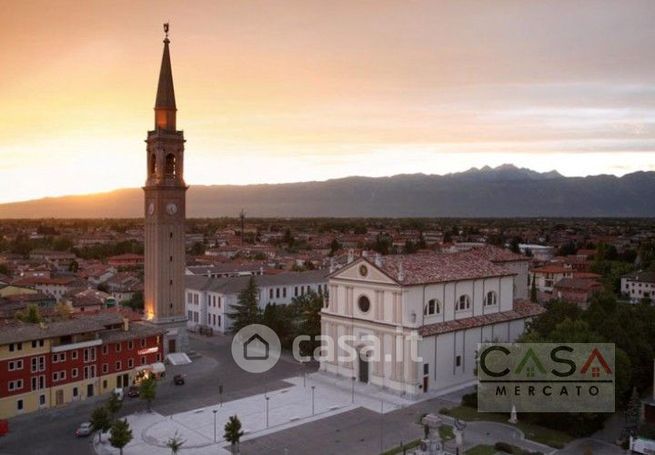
pixel 165 213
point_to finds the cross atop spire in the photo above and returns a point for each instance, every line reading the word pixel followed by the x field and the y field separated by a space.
pixel 165 103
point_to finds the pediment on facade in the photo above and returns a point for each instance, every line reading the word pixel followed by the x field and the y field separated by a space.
pixel 363 270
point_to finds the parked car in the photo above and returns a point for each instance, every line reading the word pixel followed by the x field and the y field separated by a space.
pixel 85 429
pixel 178 379
pixel 133 391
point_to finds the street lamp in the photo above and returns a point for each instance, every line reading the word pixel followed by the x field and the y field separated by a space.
pixel 313 387
pixel 214 411
pixel 267 398
pixel 381 426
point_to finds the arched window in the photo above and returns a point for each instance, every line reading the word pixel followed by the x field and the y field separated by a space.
pixel 171 168
pixel 491 298
pixel 152 165
pixel 464 302
pixel 432 307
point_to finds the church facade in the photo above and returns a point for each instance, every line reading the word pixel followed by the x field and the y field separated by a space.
pixel 165 213
pixel 426 314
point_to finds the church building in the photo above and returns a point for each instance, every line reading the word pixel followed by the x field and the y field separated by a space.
pixel 165 212
pixel 444 304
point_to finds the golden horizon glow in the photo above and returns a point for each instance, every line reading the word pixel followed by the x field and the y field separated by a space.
pixel 282 91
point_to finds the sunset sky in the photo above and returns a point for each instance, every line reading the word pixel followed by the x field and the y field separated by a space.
pixel 295 90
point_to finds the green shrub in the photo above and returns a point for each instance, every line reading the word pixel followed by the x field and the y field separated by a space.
pixel 470 400
pixel 504 447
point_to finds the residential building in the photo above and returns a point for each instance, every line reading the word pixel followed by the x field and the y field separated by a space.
pixel 539 252
pixel 208 300
pixel 545 277
pixel 576 290
pixel 55 287
pixel 225 270
pixel 126 260
pixel 638 285
pixel 51 364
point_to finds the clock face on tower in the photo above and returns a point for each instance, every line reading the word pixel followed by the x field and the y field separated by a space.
pixel 171 208
pixel 151 208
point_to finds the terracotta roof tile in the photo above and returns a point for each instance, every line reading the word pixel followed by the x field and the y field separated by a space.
pixel 522 309
pixel 437 268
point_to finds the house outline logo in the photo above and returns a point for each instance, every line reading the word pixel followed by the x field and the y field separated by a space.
pixel 256 348
pixel 253 352
pixel 595 371
pixel 530 368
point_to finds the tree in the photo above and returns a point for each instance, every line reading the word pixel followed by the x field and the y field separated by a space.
pixel 31 314
pixel 121 434
pixel 279 319
pixel 410 247
pixel 567 249
pixel 632 414
pixel 100 421
pixel 308 308
pixel 533 289
pixel 246 311
pixel 514 245
pixel 114 404
pixel 233 433
pixel 288 238
pixel 74 266
pixel 175 443
pixel 63 311
pixel 198 249
pixel 334 246
pixel 148 390
pixel 136 302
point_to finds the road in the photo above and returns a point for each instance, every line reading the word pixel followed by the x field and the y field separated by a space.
pixel 51 431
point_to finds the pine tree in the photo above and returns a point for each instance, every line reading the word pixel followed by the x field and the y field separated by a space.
pixel 121 434
pixel 246 311
pixel 533 290
pixel 100 421
pixel 233 433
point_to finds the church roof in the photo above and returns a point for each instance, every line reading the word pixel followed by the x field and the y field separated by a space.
pixel 522 309
pixel 165 90
pixel 417 269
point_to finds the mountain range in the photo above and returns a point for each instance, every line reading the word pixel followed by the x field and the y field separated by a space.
pixel 504 191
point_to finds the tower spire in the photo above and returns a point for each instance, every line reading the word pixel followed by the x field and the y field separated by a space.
pixel 165 108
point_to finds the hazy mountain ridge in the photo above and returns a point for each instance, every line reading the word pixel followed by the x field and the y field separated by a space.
pixel 504 191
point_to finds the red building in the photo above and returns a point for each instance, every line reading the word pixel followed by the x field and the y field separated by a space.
pixel 576 290
pixel 51 364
